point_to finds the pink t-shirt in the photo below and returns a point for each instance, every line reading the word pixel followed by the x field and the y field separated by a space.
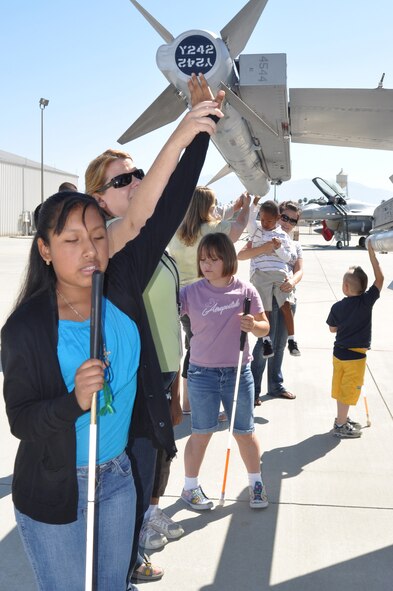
pixel 215 323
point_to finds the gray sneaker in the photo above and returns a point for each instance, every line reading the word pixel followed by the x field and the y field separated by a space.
pixel 164 525
pixel 354 424
pixel 346 431
pixel 196 499
pixel 150 539
pixel 258 496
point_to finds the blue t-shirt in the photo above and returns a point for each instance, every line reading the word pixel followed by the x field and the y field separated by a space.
pixel 122 342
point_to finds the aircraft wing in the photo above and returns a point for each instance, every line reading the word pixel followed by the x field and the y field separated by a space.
pixel 357 118
pixel 165 109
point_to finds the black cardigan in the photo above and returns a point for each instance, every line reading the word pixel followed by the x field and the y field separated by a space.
pixel 40 411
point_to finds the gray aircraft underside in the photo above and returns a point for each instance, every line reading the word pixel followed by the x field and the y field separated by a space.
pixel 254 137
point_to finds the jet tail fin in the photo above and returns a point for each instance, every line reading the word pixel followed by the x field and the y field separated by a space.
pixel 165 109
pixel 237 32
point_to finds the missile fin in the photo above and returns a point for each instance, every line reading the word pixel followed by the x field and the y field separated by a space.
pixel 220 174
pixel 165 109
pixel 237 32
pixel 162 31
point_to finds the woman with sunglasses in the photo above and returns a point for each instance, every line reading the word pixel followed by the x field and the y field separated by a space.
pixel 289 217
pixel 114 181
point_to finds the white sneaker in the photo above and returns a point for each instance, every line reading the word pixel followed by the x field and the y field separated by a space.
pixel 164 525
pixel 150 539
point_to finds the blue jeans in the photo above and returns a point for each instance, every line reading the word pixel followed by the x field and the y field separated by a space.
pixel 208 386
pixel 278 334
pixel 58 552
pixel 143 460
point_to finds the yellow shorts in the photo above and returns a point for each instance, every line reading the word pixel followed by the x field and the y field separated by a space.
pixel 348 378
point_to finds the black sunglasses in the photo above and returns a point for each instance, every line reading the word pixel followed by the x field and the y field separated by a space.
pixel 122 180
pixel 289 220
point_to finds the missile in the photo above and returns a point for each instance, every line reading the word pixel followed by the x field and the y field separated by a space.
pixel 238 134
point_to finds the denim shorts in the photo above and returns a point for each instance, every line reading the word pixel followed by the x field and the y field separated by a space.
pixel 208 386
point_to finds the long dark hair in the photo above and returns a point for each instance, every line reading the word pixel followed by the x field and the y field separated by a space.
pixel 51 217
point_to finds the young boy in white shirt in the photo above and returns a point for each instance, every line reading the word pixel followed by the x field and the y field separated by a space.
pixel 269 269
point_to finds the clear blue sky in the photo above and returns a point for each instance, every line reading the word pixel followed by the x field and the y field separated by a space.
pixel 95 62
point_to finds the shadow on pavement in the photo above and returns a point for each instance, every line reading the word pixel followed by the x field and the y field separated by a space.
pixel 5 486
pixel 15 570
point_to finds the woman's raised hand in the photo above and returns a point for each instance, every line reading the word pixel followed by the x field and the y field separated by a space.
pixel 198 120
pixel 201 91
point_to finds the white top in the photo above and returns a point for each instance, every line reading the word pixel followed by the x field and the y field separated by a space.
pixel 280 259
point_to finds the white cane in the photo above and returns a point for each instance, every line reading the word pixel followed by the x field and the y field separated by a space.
pixel 95 344
pixel 366 407
pixel 243 336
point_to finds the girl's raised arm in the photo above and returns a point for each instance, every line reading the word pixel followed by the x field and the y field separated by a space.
pixel 142 206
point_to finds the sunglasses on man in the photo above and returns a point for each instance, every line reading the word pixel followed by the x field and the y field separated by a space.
pixel 286 218
pixel 122 180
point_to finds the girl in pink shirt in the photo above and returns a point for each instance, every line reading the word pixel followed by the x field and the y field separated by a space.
pixel 215 305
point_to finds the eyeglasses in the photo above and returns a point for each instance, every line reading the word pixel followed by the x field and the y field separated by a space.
pixel 286 218
pixel 122 180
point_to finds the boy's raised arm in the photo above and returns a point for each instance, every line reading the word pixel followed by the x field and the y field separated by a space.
pixel 376 267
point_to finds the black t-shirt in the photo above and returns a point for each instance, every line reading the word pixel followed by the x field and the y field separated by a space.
pixel 352 317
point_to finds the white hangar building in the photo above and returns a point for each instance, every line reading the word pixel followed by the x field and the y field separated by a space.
pixel 20 190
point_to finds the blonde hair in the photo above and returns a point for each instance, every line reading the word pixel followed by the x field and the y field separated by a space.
pixel 357 279
pixel 198 213
pixel 95 175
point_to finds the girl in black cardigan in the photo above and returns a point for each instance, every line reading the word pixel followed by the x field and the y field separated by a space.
pixel 49 380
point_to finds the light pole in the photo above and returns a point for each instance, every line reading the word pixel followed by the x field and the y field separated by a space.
pixel 43 103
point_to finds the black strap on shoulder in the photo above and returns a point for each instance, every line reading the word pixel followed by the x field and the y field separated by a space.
pixel 170 264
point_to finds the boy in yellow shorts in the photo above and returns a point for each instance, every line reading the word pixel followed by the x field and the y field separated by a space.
pixel 350 319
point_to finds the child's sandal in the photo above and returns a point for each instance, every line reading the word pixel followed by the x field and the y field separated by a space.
pixel 147 572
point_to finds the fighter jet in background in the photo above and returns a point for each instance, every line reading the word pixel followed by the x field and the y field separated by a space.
pixel 382 232
pixel 339 215
pixel 254 137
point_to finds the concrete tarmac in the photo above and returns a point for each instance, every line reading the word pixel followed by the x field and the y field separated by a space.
pixel 329 524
